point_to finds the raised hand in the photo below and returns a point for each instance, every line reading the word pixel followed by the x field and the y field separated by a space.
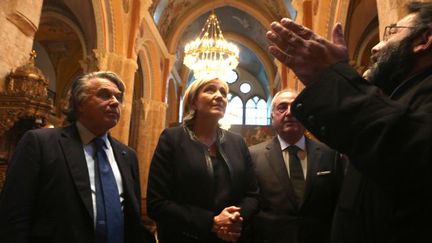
pixel 305 52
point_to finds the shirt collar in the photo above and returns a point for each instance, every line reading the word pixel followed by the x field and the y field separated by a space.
pixel 86 135
pixel 301 143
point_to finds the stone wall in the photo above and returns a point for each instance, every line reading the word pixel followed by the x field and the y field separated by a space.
pixel 18 23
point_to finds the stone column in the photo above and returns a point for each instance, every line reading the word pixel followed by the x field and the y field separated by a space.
pixel 125 68
pixel 151 117
pixel 19 20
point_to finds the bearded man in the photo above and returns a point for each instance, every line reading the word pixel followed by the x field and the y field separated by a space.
pixel 383 124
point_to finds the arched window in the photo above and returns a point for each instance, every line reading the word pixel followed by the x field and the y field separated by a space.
pixel 230 77
pixel 256 111
pixel 234 111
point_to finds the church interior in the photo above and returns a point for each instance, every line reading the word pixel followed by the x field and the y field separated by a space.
pixel 46 44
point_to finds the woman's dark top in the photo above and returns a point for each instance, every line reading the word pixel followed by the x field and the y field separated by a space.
pixel 222 186
pixel 186 188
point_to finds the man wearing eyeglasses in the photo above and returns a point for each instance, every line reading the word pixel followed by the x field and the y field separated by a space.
pixel 299 181
pixel 384 124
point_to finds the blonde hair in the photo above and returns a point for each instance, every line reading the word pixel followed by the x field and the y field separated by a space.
pixel 190 95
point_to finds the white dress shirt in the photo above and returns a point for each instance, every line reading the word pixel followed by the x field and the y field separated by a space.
pixel 301 143
pixel 90 155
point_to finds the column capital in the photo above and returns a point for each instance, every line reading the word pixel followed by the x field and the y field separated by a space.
pixel 103 60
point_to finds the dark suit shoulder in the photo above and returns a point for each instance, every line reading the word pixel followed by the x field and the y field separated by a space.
pixel 48 135
pixel 172 135
pixel 174 131
pixel 322 146
pixel 263 146
pixel 46 131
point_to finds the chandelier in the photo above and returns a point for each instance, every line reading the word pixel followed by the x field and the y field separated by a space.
pixel 210 55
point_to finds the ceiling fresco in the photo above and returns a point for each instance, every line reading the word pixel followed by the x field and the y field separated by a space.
pixel 167 13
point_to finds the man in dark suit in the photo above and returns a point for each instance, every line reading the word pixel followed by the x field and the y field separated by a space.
pixel 383 123
pixel 61 187
pixel 299 181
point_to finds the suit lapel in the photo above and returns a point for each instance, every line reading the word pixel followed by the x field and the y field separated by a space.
pixel 277 164
pixel 76 161
pixel 314 155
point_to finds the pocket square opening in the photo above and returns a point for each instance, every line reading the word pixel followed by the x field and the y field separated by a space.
pixel 323 172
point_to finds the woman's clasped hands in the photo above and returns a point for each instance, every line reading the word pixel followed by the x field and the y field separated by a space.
pixel 228 224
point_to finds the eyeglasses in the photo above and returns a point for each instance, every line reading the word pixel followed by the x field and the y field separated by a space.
pixel 392 29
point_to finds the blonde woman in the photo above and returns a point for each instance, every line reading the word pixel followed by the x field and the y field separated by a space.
pixel 201 185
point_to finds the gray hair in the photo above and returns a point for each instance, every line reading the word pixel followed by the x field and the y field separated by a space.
pixel 190 95
pixel 78 91
pixel 287 90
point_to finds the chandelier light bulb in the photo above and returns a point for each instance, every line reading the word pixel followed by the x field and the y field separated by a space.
pixel 210 55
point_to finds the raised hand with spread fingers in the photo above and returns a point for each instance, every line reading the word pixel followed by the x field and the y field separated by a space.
pixel 305 52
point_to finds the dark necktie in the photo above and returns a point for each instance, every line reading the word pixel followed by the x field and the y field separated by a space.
pixel 109 216
pixel 296 173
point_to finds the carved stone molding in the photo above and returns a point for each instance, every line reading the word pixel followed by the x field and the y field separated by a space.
pixel 24 14
pixel 23 23
pixel 102 60
pixel 89 63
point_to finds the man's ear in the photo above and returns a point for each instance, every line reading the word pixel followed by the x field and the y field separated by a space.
pixel 424 42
